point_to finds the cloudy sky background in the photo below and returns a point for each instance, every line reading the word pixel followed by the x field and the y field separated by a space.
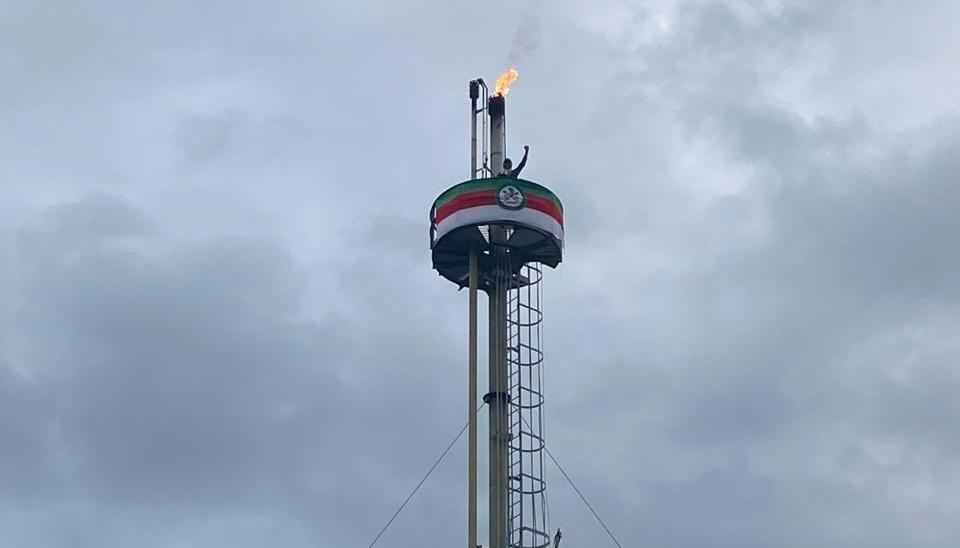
pixel 219 326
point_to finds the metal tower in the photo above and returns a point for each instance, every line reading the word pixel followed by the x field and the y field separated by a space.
pixel 494 233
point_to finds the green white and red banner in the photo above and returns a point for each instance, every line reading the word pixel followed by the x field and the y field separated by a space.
pixel 483 201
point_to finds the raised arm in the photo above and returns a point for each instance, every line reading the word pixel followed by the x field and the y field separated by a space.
pixel 523 162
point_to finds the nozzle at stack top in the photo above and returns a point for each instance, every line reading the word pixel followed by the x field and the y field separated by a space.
pixel 496 105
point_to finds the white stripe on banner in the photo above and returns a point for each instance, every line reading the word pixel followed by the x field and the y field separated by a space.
pixel 488 214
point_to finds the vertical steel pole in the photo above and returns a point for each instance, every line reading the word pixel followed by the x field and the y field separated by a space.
pixel 497 295
pixel 472 439
pixel 496 398
pixel 497 406
pixel 474 95
pixel 472 391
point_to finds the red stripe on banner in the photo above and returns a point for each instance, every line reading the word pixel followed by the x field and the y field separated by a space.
pixel 465 200
pixel 545 205
pixel 488 197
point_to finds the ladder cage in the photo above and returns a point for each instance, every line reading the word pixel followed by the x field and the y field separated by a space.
pixel 527 524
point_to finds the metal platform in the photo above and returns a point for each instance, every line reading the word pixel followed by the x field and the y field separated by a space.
pixel 529 214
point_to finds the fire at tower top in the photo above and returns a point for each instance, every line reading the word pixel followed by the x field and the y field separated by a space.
pixel 505 81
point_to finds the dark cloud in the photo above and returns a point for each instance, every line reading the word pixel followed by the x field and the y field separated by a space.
pixel 219 326
pixel 27 428
pixel 188 377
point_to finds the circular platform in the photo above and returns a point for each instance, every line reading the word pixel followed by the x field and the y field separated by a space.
pixel 529 215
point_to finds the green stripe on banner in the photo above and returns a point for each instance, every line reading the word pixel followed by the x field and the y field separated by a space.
pixel 464 187
pixel 493 184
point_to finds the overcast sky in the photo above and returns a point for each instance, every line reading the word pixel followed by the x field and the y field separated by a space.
pixel 219 326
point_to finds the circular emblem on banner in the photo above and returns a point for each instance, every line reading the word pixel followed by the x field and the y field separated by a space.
pixel 510 197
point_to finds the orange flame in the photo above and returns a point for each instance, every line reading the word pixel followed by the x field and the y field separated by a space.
pixel 506 80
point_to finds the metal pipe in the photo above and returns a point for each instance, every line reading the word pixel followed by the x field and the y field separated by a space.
pixel 474 95
pixel 484 134
pixel 497 295
pixel 472 359
pixel 496 107
pixel 497 405
pixel 472 405
pixel 497 397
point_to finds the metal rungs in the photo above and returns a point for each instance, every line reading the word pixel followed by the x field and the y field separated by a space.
pixel 524 359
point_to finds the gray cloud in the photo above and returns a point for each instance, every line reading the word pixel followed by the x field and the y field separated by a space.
pixel 219 326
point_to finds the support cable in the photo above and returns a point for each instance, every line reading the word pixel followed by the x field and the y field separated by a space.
pixel 582 497
pixel 424 479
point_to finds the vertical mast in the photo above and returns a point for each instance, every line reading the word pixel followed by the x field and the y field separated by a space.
pixel 472 391
pixel 496 399
pixel 497 295
pixel 501 250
